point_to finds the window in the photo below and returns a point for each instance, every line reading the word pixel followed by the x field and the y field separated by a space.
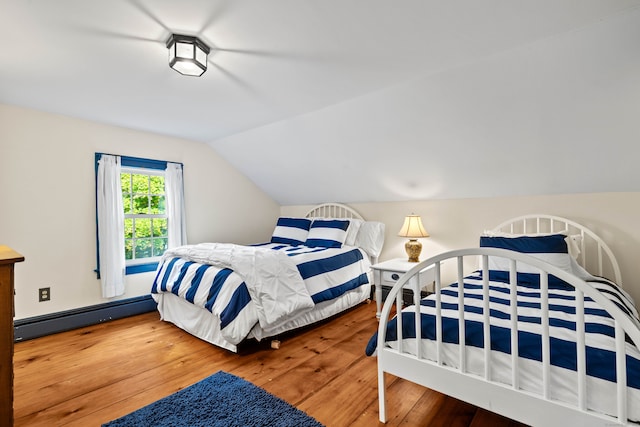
pixel 146 211
pixel 145 215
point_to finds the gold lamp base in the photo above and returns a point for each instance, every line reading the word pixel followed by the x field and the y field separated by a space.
pixel 413 248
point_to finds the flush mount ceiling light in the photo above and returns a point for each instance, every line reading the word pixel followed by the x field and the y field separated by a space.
pixel 187 55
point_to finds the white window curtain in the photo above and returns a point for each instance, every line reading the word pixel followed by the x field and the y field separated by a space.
pixel 110 226
pixel 175 205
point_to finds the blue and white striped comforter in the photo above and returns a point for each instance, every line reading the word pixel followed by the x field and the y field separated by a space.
pixel 267 284
pixel 599 326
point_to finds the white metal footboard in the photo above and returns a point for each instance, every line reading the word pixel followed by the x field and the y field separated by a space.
pixel 533 407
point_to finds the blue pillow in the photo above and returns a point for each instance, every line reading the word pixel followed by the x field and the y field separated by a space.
pixel 327 233
pixel 291 231
pixel 551 248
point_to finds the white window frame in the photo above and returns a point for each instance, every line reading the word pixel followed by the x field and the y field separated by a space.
pixel 148 172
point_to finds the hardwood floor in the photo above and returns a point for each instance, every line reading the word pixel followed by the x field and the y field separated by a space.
pixel 92 375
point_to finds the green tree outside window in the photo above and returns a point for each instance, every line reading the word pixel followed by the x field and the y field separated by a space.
pixel 146 223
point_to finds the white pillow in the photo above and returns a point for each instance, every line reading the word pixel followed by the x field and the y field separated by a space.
pixel 574 241
pixel 370 237
pixel 352 231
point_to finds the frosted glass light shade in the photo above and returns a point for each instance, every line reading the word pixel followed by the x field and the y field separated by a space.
pixel 187 55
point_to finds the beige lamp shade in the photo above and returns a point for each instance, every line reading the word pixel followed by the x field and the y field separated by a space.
pixel 413 229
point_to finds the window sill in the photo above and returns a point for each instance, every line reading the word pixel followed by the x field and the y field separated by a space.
pixel 141 268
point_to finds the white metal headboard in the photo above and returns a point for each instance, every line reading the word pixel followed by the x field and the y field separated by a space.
pixel 337 210
pixel 595 255
pixel 333 210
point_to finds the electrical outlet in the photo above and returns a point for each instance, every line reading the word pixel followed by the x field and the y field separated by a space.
pixel 44 294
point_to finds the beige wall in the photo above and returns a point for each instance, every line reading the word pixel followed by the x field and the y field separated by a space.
pixel 455 224
pixel 47 191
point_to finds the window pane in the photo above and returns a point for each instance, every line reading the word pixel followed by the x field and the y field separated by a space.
pixel 157 185
pixel 128 228
pixel 143 248
pixel 142 228
pixel 125 182
pixel 140 183
pixel 126 202
pixel 157 205
pixel 140 204
pixel 159 246
pixel 160 227
pixel 128 249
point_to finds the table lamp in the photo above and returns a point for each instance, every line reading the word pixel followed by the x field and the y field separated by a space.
pixel 413 229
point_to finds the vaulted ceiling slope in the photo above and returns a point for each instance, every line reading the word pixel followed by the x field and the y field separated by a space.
pixel 354 100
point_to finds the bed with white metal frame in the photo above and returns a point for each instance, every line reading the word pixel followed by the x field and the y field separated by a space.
pixel 537 407
pixel 200 323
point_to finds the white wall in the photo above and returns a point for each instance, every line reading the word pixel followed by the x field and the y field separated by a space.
pixel 47 189
pixel 559 115
pixel 458 223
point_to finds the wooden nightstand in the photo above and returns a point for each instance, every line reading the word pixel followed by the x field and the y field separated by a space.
pixel 388 272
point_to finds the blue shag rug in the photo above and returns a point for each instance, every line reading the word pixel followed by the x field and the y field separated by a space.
pixel 221 400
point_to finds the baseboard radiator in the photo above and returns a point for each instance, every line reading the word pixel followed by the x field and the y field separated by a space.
pixel 39 326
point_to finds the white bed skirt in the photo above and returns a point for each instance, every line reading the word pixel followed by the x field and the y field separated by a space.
pixel 202 324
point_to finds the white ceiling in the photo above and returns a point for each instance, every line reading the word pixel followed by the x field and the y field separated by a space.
pixel 283 70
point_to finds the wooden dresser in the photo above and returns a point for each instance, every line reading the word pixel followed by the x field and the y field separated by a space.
pixel 8 257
